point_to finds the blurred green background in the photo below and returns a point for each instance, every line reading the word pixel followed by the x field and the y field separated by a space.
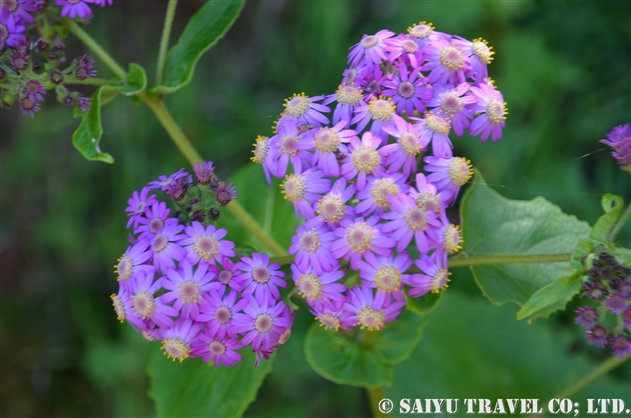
pixel 564 69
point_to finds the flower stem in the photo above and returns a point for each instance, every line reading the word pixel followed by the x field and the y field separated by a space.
pixel 164 42
pixel 91 81
pixel 618 226
pixel 191 154
pixel 100 52
pixel 375 396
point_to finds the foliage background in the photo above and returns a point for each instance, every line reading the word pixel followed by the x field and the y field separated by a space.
pixel 564 69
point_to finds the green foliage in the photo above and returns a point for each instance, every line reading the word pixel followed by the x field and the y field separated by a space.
pixel 552 297
pixel 195 389
pixel 363 358
pixel 87 136
pixel 425 304
pixel 136 80
pixel 203 31
pixel 612 205
pixel 494 225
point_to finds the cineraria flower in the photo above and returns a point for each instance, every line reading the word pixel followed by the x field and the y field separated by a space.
pixel 626 317
pixel 423 32
pixel 33 90
pixel 587 317
pixel 425 195
pixel 403 46
pixel 385 273
pixel 327 142
pixel 374 198
pixel 319 288
pixel 446 61
pixel 186 287
pixel 362 158
pixel 102 2
pixel 450 236
pixel 289 145
pixel 259 276
pixel 434 275
pixel 177 340
pixel 408 91
pixel 142 290
pixel 206 243
pixel 29 107
pixel 448 174
pixel 448 100
pixel 597 336
pixel 165 249
pixel 480 54
pixel 619 139
pixel 616 303
pixel 304 189
pixel 262 155
pixel 218 312
pixel 220 351
pixel 434 128
pixel 333 315
pixel 204 171
pixel 164 181
pixel 261 322
pixel 311 245
pixel 370 50
pixel 228 276
pixel 408 221
pixel 19 9
pixel 304 110
pixel 594 290
pixel 332 208
pixel 156 217
pixel 84 67
pixel 373 314
pixel 370 79
pixel 348 97
pixel 492 108
pixel 132 261
pixel 380 111
pixel 122 305
pixel 360 237
pixel 75 8
pixel 621 346
pixel 409 144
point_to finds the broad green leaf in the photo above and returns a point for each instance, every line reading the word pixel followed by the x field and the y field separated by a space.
pixel 136 80
pixel 195 389
pixel 551 297
pixel 425 304
pixel 87 136
pixel 494 225
pixel 612 205
pixel 203 31
pixel 363 358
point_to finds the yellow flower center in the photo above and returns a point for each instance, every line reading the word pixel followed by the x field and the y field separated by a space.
pixel 368 318
pixel 176 349
pixel 294 187
pixel 460 170
pixel 381 109
pixel 297 105
pixel 388 279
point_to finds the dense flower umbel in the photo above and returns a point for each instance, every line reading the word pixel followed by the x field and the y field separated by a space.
pixel 367 201
pixel 181 283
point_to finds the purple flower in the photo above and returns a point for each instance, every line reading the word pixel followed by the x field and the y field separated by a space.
pixel 218 312
pixel 348 97
pixel 262 155
pixel 331 208
pixel 102 2
pixel 405 49
pixel 619 139
pixel 304 189
pixel 449 101
pixel 75 8
pixel 385 273
pixel 381 111
pixel 165 248
pixel 33 90
pixel 409 144
pixel 122 304
pixel 164 182
pixel 408 221
pixel 446 61
pixel 157 217
pixel 303 109
pixel 146 305
pixel 228 276
pixel 434 275
pixel 186 287
pixel 84 67
pixel 261 322
pixel 11 30
pixel 373 313
pixel 218 350
pixel 423 32
pixel 621 346
pixel 138 203
pixel 204 171
pixel 370 50
pixel 132 261
pixel 626 317
pixel 225 193
pixel 374 198
pixel 359 237
pixel 434 128
pixel 594 290
pixel 327 142
pixel 29 107
pixel 289 145
pixel 177 340
pixel 259 276
pixel 586 317
pixel 616 302
pixel 370 79
pixel 426 197
pixel 319 288
pixel 597 336
pixel 480 54
pixel 19 10
pixel 363 158
pixel 450 236
pixel 448 174
pixel 311 246
pixel 492 108
pixel 206 243
pixel 333 315
pixel 408 91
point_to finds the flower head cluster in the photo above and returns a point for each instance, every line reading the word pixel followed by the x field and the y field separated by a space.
pixel 609 284
pixel 619 139
pixel 353 175
pixel 181 282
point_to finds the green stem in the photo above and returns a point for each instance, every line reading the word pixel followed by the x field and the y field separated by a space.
pixel 618 226
pixel 164 42
pixel 100 52
pixel 91 81
pixel 191 154
pixel 375 396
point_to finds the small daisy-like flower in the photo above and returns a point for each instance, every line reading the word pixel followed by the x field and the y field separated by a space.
pixel 586 317
pixel 621 346
pixel 319 288
pixel 11 30
pixel 34 90
pixel 446 60
pixel 138 203
pixel 626 317
pixel 122 304
pixel 423 32
pixel 204 171
pixel 29 107
pixel 146 306
pixel 156 217
pixel 225 193
pixel 358 237
pixel 288 145
pixel 408 221
pixel 327 143
pixel 409 144
pixel 206 244
pixel 19 9
pixel 385 273
pixel 332 207
pixel 164 182
pixel 261 322
pixel 84 67
pixel 594 290
pixel 434 275
pixel 372 313
pixel 619 139
pixel 132 261
pixel 363 158
pixel 333 316
pixel 185 287
pixel 408 91
pixel 311 246
pixel 434 128
pixel 103 2
pixel 370 50
pixel 259 276
pixel 374 198
pixel 492 109
pixel 450 236
pixel 616 302
pixel 370 79
pixel 227 275
pixel 304 189
pixel 177 340
pixel 165 247
pixel 381 111
pixel 426 197
pixel 218 312
pixel 448 174
pixel 348 97
pixel 74 8
pixel 262 155
pixel 219 351
pixel 406 49
pixel 449 101
pixel 304 109
pixel 480 54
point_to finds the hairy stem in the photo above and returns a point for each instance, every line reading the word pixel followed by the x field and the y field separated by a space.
pixel 191 154
pixel 375 396
pixel 100 52
pixel 164 42
pixel 618 226
pixel 91 81
pixel 600 370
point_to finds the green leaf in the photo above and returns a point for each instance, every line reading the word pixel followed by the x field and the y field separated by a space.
pixel 551 297
pixel 195 389
pixel 612 205
pixel 583 249
pixel 494 225
pixel 425 304
pixel 87 136
pixel 203 31
pixel 136 80
pixel 363 358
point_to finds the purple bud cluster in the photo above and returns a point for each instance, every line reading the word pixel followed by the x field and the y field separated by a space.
pixel 608 283
pixel 619 139
pixel 182 283
pixel 355 180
